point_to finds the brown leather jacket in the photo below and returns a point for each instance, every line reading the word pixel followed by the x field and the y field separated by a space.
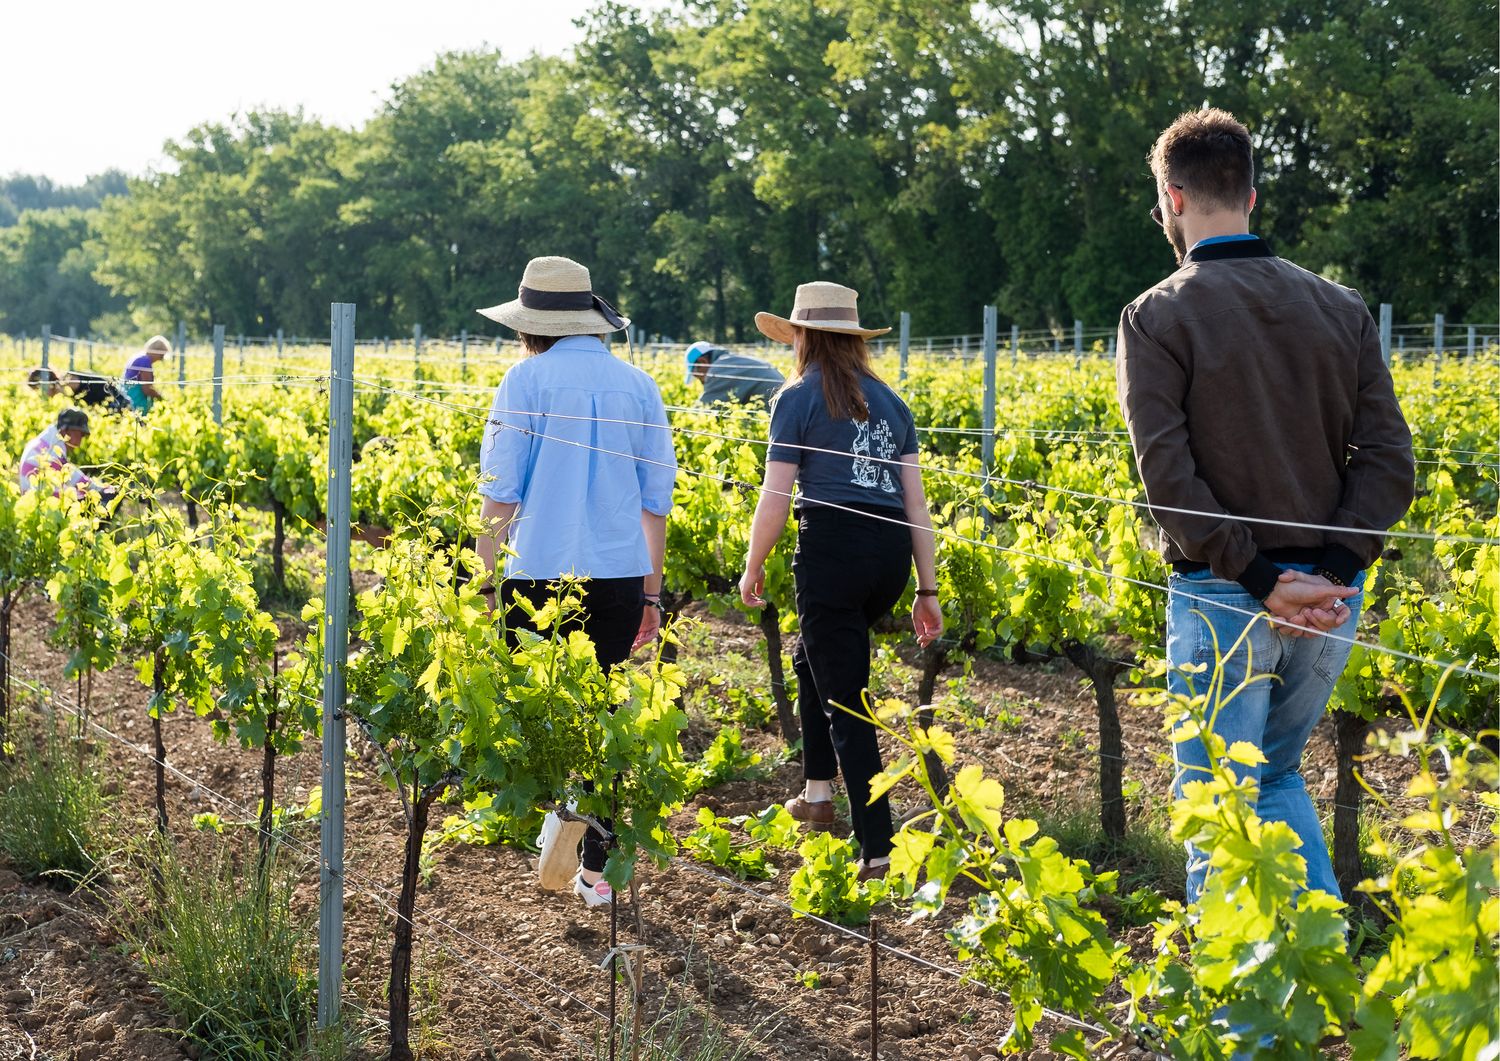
pixel 1254 388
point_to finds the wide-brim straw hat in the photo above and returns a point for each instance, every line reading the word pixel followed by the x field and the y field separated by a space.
pixel 821 306
pixel 157 343
pixel 557 298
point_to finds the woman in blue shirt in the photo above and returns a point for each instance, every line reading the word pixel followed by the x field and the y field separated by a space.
pixel 849 444
pixel 577 472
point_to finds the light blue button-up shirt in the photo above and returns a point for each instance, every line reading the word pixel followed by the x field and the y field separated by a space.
pixel 579 439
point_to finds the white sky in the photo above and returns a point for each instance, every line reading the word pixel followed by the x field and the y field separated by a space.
pixel 91 84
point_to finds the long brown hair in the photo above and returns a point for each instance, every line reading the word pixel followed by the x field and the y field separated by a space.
pixel 845 361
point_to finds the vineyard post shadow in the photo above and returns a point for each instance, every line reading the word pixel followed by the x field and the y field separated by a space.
pixel 335 653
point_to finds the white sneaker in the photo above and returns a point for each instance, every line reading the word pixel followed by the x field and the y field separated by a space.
pixel 598 894
pixel 558 862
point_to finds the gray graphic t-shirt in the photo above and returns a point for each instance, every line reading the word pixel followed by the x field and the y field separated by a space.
pixel 859 465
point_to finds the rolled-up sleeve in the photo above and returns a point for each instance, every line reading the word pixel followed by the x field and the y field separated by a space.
pixel 656 466
pixel 505 454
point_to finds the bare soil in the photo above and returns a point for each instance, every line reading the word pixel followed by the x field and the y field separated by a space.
pixel 504 969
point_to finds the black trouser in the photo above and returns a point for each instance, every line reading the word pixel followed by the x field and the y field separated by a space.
pixel 850 571
pixel 611 618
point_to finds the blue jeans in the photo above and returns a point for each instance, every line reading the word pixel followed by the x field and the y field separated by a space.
pixel 1276 716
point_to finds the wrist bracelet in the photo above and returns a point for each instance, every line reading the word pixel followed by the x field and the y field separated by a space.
pixel 1330 576
pixel 927 593
pixel 486 589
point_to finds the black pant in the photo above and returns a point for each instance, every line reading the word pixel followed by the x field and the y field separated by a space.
pixel 611 618
pixel 850 571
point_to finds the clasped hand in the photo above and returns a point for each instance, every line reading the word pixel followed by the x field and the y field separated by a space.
pixel 1310 602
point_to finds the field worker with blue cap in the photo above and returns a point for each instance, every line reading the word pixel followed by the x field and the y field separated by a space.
pixel 729 377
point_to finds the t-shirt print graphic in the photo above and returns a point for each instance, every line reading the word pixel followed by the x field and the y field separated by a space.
pixel 867 472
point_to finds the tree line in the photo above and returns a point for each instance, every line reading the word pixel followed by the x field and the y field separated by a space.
pixel 938 155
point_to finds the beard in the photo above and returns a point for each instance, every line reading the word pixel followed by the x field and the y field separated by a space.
pixel 1171 225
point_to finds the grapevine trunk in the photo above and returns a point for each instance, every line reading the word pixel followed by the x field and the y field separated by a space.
pixel 278 545
pixel 400 987
pixel 934 659
pixel 1349 737
pixel 267 792
pixel 1102 673
pixel 786 712
pixel 158 684
pixel 5 609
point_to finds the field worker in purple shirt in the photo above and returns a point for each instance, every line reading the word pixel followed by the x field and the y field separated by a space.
pixel 140 374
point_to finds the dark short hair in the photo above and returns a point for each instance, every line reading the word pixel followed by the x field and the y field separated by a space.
pixel 1208 153
pixel 536 344
pixel 41 375
pixel 73 420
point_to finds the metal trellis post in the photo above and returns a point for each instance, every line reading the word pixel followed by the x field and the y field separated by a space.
pixel 280 341
pixel 1437 346
pixel 416 345
pixel 1015 344
pixel 1385 332
pixel 72 347
pixel 1077 343
pixel 46 344
pixel 241 345
pixel 990 318
pixel 1473 337
pixel 219 374
pixel 905 342
pixel 181 352
pixel 463 354
pixel 335 654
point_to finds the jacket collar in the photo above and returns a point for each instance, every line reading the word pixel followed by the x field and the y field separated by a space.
pixel 1239 248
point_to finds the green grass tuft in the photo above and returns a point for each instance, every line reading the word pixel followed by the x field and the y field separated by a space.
pixel 1147 856
pixel 51 805
pixel 232 960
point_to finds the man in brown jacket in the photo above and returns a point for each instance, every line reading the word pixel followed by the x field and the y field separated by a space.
pixel 1273 453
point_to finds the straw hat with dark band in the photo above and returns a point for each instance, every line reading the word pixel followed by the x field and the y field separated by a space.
pixel 557 298
pixel 157 344
pixel 821 306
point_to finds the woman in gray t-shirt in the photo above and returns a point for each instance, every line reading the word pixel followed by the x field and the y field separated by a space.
pixel 848 444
